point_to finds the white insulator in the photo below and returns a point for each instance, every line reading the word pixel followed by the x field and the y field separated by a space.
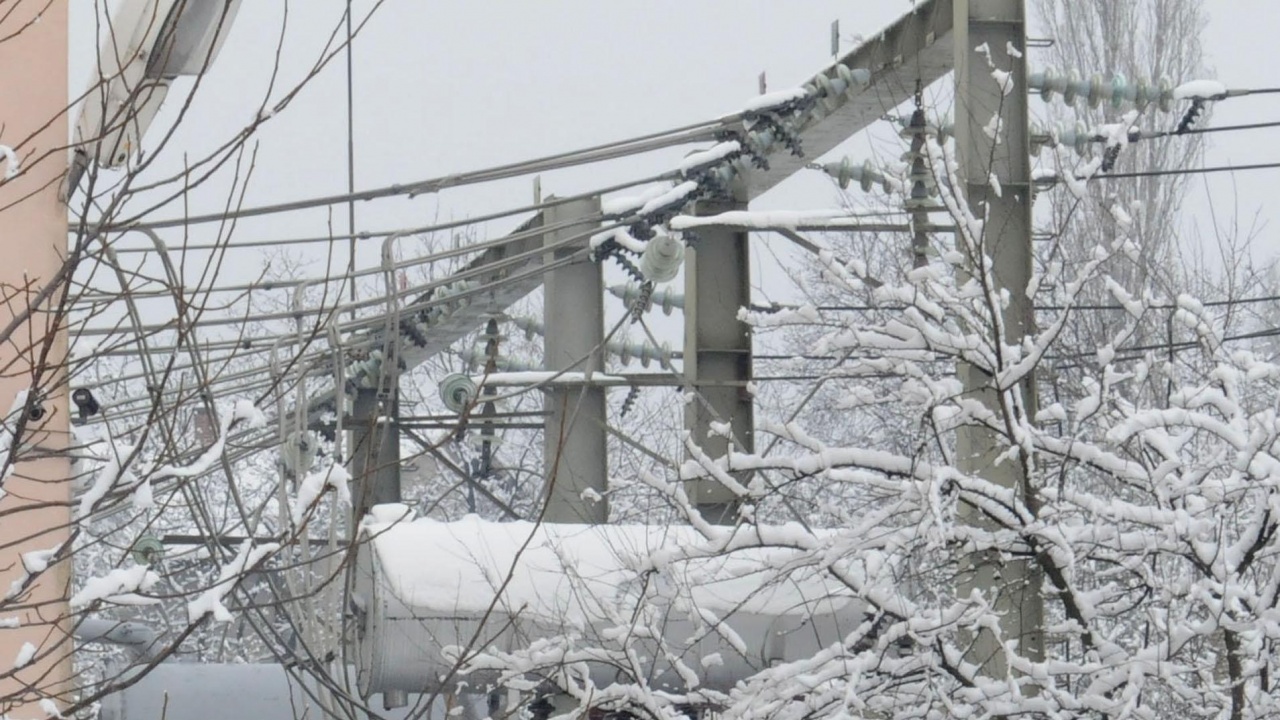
pixel 530 326
pixel 662 258
pixel 457 391
pixel 668 300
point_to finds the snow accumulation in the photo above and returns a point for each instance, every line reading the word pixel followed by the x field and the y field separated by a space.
pixel 210 601
pixel 761 220
pixel 1200 90
pixel 768 101
pixel 121 585
pixel 37 561
pixel 620 236
pixel 626 204
pixel 670 197
pixel 13 165
pixel 13 621
pixel 113 472
pixel 713 154
pixel 311 487
pixel 547 377
pixel 26 654
pixel 578 574
pixel 8 429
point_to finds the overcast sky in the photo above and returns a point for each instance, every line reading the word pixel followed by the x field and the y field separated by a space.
pixel 455 85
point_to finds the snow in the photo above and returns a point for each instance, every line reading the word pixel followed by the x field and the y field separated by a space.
pixel 626 204
pixel 389 514
pixel 567 573
pixel 762 219
pixel 13 166
pixel 993 127
pixel 120 583
pixel 210 602
pixel 547 377
pixel 109 474
pixel 1200 90
pixel 1121 216
pixel 713 154
pixel 50 708
pixel 26 654
pixel 13 621
pixel 37 561
pixel 620 236
pixel 242 411
pixel 8 429
pixel 769 101
pixel 143 499
pixel 677 194
pixel 314 484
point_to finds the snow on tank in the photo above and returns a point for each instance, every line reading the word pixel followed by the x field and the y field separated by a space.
pixel 426 590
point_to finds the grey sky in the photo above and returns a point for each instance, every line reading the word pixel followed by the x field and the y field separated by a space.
pixel 449 86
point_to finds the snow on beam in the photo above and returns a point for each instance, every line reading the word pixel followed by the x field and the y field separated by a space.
pixel 918 46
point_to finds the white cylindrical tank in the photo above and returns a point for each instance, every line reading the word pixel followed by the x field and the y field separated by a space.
pixel 425 586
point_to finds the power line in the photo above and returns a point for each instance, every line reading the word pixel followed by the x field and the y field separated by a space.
pixel 1185 171
pixel 700 132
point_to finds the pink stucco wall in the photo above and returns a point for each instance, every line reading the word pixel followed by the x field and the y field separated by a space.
pixel 33 100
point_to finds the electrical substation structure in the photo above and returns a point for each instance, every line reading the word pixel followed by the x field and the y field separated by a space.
pixel 402 622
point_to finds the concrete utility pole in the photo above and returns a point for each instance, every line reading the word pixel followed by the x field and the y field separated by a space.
pixel 375 443
pixel 574 455
pixel 717 351
pixel 998 28
pixel 33 243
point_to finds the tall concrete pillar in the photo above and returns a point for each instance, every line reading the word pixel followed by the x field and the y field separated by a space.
pixel 996 27
pixel 375 446
pixel 575 461
pixel 717 352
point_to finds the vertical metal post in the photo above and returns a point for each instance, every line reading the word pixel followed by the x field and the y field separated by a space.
pixel 33 242
pixel 375 446
pixel 717 351
pixel 997 29
pixel 574 453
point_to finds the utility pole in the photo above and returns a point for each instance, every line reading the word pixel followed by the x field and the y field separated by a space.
pixel 575 459
pixel 717 352
pixel 33 243
pixel 996 29
pixel 375 442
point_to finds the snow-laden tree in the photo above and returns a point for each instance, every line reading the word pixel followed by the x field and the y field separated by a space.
pixel 1144 522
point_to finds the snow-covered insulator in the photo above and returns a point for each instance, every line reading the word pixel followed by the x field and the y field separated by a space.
pixel 298 452
pixel 457 391
pixel 866 175
pixel 666 298
pixel 1118 91
pixel 662 257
